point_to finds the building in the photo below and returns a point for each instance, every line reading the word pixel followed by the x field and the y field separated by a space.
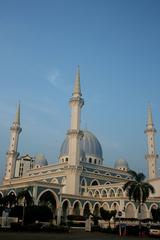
pixel 79 183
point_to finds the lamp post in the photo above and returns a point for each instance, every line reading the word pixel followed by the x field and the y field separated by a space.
pixel 24 205
pixel 59 209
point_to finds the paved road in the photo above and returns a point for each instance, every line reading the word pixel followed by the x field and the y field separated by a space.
pixel 73 235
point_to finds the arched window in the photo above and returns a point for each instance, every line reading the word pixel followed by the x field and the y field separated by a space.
pixel 111 193
pixel 104 193
pixel 94 183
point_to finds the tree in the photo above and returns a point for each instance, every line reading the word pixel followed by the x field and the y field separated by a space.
pixel 138 190
pixel 27 198
pixel 8 200
pixel 106 214
pixel 155 214
pixel 24 194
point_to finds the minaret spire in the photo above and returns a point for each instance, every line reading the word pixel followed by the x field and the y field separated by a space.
pixel 12 153
pixel 74 136
pixel 77 87
pixel 17 117
pixel 150 120
pixel 151 156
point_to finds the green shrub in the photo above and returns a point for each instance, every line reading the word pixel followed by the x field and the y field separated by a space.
pixel 37 213
pixel 106 214
pixel 16 211
pixel 76 217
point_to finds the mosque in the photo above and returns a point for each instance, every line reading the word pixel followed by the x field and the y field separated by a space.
pixel 79 183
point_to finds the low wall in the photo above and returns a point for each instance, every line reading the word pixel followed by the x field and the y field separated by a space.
pixel 5 222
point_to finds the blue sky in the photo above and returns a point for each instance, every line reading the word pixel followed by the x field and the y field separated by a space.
pixel 116 44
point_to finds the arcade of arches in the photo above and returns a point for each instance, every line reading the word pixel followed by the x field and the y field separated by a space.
pixel 69 207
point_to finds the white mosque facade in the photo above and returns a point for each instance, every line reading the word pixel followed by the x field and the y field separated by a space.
pixel 79 183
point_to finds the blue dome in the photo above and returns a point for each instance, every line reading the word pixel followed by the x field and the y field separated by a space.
pixel 89 146
pixel 40 160
pixel 121 164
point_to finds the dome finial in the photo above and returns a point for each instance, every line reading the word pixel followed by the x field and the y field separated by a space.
pixel 77 87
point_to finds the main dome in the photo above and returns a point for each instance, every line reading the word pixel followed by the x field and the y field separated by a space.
pixel 90 149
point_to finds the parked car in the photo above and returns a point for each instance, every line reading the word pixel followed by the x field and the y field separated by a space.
pixel 154 230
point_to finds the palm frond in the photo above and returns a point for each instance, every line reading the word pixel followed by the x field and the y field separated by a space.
pixel 137 189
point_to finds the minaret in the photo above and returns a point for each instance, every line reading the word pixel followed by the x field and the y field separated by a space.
pixel 151 157
pixel 76 103
pixel 74 135
pixel 12 153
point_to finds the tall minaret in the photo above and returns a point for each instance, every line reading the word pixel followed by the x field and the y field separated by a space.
pixel 76 103
pixel 74 135
pixel 12 151
pixel 151 157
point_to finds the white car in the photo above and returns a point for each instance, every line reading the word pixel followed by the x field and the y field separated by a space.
pixel 154 231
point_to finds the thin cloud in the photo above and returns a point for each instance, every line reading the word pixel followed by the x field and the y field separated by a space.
pixel 55 80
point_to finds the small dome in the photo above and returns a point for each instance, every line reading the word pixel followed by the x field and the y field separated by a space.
pixel 121 164
pixel 40 160
pixel 90 147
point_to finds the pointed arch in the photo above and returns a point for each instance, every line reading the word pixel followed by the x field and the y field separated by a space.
pixel 142 214
pixel 96 209
pixel 83 186
pixel 49 198
pixel 153 206
pixel 48 190
pixel 12 192
pixel 115 206
pixel 44 180
pixel 96 193
pixel 119 192
pixel 130 210
pixel 66 205
pixel 104 193
pixel 111 192
pixel 90 193
pixel 83 182
pixel 54 180
pixel 66 200
pixel 87 209
pixel 94 182
pixel 107 183
pixel 96 171
pixel 105 206
pixel 77 206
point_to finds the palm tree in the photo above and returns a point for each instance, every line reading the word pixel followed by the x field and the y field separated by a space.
pixel 27 200
pixel 25 195
pixel 138 189
pixel 8 200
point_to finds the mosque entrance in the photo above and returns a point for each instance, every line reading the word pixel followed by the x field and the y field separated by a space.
pixel 65 210
pixel 48 199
